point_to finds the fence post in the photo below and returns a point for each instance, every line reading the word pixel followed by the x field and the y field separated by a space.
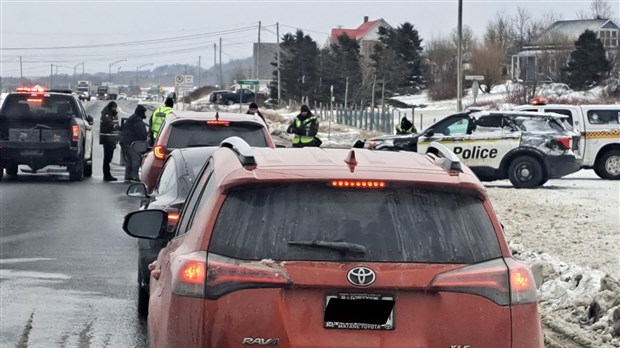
pixel 421 121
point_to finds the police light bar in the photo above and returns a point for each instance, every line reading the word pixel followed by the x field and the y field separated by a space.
pixel 33 89
pixel 538 101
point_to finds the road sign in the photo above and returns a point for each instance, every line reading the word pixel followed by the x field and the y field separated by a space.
pixel 248 82
pixel 474 77
pixel 474 90
pixel 184 80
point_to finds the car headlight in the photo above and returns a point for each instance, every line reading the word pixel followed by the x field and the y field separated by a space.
pixel 378 143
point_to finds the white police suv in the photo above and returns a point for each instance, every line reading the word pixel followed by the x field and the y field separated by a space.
pixel 528 148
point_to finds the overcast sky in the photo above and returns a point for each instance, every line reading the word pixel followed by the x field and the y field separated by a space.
pixel 39 24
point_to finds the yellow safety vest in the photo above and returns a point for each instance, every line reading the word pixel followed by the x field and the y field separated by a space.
pixel 303 139
pixel 158 118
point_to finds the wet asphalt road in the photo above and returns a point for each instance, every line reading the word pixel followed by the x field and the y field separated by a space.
pixel 67 270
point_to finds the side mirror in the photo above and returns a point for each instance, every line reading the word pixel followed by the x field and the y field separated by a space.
pixel 147 224
pixel 429 132
pixel 89 119
pixel 140 146
pixel 137 190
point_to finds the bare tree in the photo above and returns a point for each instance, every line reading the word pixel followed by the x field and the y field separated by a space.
pixel 488 61
pixel 500 31
pixel 599 9
pixel 522 22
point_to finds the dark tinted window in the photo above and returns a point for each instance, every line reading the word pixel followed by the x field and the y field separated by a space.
pixel 191 134
pixel 568 113
pixel 23 105
pixel 397 224
pixel 604 116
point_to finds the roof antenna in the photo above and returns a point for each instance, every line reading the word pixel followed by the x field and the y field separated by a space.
pixel 351 161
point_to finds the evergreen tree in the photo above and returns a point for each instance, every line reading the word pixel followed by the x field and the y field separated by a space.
pixel 299 68
pixel 405 42
pixel 339 62
pixel 587 64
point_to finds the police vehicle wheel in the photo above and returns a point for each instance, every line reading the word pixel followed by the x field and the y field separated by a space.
pixel 11 169
pixel 525 172
pixel 76 172
pixel 88 170
pixel 608 165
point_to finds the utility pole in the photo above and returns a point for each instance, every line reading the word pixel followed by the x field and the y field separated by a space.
pixel 258 52
pixel 51 75
pixel 199 71
pixel 278 58
pixel 459 77
pixel 21 72
pixel 214 59
pixel 221 82
pixel 346 92
pixel 82 70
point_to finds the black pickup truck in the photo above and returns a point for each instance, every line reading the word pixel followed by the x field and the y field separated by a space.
pixel 39 128
pixel 226 97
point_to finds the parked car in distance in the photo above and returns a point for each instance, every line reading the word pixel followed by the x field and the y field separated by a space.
pixel 599 129
pixel 525 147
pixel 336 248
pixel 169 193
pixel 193 129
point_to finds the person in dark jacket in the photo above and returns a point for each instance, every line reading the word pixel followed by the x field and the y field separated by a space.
pixel 305 127
pixel 405 127
pixel 253 110
pixel 132 130
pixel 108 136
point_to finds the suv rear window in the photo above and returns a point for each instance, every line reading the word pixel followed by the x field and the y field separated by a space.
pixel 192 134
pixel 24 105
pixel 540 124
pixel 396 224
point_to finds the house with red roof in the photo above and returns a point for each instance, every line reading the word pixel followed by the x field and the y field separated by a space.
pixel 367 34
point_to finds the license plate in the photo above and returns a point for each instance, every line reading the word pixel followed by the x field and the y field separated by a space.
pixel 359 311
pixel 31 153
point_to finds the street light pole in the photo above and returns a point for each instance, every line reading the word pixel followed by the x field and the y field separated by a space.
pixel 75 69
pixel 459 77
pixel 110 68
pixel 137 73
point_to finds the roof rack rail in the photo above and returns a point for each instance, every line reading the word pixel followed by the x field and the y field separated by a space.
pixel 450 161
pixel 242 149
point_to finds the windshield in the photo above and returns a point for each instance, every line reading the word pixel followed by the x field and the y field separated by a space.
pixel 24 105
pixel 191 134
pixel 397 224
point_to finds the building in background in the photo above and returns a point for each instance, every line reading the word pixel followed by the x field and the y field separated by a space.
pixel 367 34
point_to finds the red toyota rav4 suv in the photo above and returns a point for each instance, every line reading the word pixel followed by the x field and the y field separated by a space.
pixel 337 248
pixel 193 129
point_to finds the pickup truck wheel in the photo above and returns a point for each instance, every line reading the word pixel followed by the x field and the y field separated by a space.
pixel 88 170
pixel 11 169
pixel 608 165
pixel 76 172
pixel 525 172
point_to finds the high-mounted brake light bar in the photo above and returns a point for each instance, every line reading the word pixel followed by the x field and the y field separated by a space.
pixel 444 157
pixel 242 149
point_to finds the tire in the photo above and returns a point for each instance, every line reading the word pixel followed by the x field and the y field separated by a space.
pixel 1 172
pixel 76 172
pixel 525 172
pixel 608 165
pixel 230 103
pixel 12 169
pixel 88 170
pixel 143 301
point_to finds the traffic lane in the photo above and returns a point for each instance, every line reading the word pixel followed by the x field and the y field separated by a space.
pixel 67 271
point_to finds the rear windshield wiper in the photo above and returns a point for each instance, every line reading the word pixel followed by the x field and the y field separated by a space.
pixel 340 246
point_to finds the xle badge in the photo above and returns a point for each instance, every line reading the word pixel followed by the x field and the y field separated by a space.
pixel 261 341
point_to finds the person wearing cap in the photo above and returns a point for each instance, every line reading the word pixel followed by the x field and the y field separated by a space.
pixel 158 118
pixel 405 127
pixel 305 127
pixel 132 130
pixel 253 110
pixel 108 136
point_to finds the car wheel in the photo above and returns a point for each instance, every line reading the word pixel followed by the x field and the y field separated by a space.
pixel 608 165
pixel 76 172
pixel 525 172
pixel 88 170
pixel 1 172
pixel 12 169
pixel 230 103
pixel 143 301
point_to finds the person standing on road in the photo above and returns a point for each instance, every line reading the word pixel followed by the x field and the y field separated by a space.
pixel 305 127
pixel 132 130
pixel 253 110
pixel 108 136
pixel 158 118
pixel 405 127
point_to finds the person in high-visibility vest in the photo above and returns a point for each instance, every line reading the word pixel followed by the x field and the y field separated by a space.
pixel 405 127
pixel 158 118
pixel 305 127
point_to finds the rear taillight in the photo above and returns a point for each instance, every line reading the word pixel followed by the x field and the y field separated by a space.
pixel 493 280
pixel 189 274
pixel 160 152
pixel 173 218
pixel 565 142
pixel 226 275
pixel 75 133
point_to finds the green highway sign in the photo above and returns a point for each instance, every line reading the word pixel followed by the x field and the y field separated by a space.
pixel 248 82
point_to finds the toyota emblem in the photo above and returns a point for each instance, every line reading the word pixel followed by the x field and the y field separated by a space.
pixel 361 276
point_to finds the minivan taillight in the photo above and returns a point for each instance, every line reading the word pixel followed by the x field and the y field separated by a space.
pixel 75 133
pixel 504 282
pixel 160 152
pixel 226 275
